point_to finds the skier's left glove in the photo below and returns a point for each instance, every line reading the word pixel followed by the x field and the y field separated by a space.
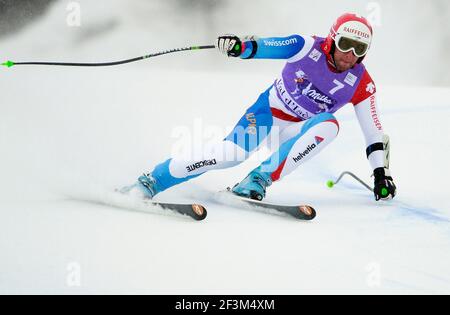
pixel 384 188
pixel 230 45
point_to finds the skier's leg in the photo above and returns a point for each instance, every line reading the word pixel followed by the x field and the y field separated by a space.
pixel 315 134
pixel 246 137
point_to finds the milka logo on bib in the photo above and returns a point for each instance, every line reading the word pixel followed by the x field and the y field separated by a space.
pixel 304 87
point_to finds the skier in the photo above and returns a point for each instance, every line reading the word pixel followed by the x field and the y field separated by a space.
pixel 320 77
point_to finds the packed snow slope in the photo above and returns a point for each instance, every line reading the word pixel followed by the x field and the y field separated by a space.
pixel 68 134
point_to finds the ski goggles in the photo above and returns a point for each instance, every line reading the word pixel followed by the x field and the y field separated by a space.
pixel 345 44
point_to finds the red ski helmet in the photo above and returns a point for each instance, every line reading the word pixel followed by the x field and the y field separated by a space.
pixel 351 26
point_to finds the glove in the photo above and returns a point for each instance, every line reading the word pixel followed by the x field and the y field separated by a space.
pixel 230 45
pixel 384 187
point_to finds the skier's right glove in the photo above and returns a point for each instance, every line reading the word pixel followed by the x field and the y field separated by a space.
pixel 230 45
pixel 384 188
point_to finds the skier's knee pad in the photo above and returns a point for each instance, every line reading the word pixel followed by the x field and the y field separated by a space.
pixel 321 119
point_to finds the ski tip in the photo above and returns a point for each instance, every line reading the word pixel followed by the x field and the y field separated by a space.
pixel 307 213
pixel 199 212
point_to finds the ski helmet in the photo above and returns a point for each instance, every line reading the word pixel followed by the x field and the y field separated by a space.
pixel 352 26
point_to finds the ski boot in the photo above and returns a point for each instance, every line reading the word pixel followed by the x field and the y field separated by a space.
pixel 148 185
pixel 253 186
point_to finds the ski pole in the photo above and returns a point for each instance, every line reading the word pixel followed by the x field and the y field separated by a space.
pixel 10 64
pixel 331 184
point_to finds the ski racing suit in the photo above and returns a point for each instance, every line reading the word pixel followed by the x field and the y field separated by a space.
pixel 299 105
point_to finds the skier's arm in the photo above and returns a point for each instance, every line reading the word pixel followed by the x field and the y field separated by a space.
pixel 365 104
pixel 261 48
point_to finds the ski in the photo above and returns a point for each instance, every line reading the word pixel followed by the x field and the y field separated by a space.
pixel 120 199
pixel 301 212
pixel 195 211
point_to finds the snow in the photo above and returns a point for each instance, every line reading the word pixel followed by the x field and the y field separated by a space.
pixel 68 134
